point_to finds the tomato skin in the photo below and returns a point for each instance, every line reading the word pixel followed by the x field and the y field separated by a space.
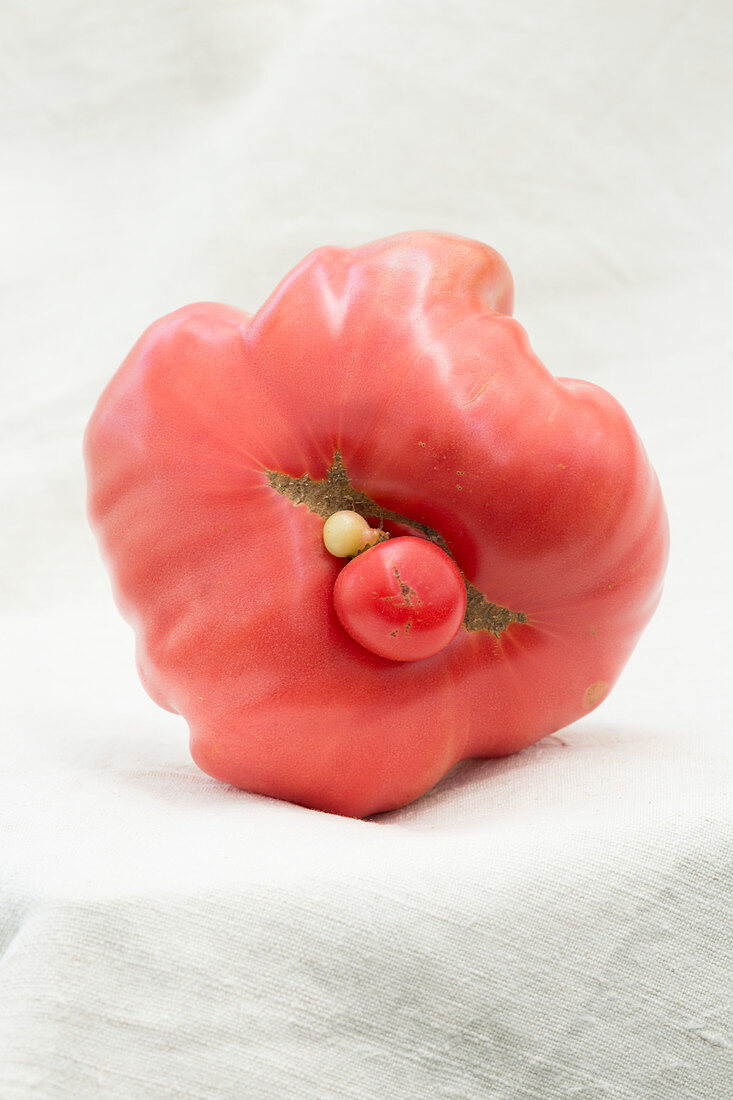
pixel 401 357
pixel 403 599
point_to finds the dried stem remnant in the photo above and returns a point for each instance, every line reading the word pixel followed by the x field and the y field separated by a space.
pixel 335 492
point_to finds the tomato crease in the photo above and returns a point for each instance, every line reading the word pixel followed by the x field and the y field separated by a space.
pixel 336 492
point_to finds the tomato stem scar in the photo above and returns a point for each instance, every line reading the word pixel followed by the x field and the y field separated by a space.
pixel 335 493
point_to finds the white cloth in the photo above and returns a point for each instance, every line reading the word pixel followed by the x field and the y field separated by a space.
pixel 556 924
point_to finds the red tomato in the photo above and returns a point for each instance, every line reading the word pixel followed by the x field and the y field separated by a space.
pixel 391 380
pixel 403 599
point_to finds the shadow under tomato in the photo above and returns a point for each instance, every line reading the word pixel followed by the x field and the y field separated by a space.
pixel 580 768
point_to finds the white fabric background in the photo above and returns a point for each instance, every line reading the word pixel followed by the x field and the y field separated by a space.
pixel 557 924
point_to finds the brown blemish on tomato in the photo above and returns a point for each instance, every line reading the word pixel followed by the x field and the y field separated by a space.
pixel 596 693
pixel 335 492
pixel 406 592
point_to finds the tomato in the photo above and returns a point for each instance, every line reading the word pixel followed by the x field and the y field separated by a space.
pixel 391 381
pixel 404 599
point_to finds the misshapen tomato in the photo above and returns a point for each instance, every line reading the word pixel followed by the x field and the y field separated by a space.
pixel 390 380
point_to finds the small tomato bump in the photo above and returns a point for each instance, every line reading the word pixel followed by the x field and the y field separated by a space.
pixel 404 599
pixel 345 533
